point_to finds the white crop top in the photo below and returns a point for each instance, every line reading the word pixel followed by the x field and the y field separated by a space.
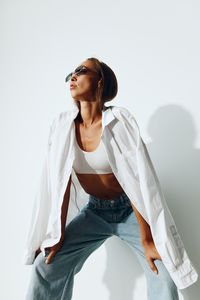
pixel 93 162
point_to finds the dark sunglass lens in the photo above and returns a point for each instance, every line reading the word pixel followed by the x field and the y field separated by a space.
pixel 77 70
pixel 81 70
pixel 68 77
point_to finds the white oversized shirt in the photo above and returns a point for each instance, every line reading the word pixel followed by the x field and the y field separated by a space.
pixel 132 166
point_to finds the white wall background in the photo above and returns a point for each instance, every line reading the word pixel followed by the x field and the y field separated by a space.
pixel 153 47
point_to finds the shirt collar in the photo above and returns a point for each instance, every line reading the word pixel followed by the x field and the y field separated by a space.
pixel 107 113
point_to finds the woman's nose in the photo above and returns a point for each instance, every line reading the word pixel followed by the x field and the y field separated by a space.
pixel 73 76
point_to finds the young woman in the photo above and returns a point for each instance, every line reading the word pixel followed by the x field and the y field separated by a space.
pixel 102 146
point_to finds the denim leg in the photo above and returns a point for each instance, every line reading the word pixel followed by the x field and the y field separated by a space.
pixel 54 281
pixel 159 286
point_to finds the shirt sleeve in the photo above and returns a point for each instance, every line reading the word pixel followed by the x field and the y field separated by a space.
pixel 163 227
pixel 40 209
pixel 150 187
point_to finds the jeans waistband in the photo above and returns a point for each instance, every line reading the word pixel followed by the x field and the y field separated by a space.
pixel 120 201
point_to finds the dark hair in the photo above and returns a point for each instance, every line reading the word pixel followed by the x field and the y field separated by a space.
pixel 109 86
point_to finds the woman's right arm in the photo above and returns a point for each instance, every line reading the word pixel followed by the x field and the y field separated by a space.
pixel 64 208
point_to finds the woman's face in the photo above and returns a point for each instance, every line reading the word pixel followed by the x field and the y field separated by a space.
pixel 83 86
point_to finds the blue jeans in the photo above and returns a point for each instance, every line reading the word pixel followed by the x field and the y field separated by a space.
pixel 98 220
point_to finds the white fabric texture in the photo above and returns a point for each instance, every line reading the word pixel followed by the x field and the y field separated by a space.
pixel 92 162
pixel 132 166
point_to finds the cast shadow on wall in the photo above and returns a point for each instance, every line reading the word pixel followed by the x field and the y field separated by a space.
pixel 176 161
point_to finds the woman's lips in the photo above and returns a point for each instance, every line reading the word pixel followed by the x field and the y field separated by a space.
pixel 72 86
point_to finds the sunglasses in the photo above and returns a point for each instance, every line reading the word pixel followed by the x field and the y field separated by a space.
pixel 78 71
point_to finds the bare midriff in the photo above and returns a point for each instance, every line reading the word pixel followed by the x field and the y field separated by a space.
pixel 104 186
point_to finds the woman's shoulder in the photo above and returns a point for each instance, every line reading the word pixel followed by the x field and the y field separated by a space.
pixel 63 118
pixel 124 113
pixel 122 109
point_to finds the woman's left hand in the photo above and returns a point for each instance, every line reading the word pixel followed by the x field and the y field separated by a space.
pixel 151 254
pixel 54 249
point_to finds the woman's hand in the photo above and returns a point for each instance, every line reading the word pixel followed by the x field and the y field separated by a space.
pixel 151 254
pixel 53 250
pixel 150 250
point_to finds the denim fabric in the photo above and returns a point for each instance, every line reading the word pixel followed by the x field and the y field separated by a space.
pixel 112 211
pixel 98 220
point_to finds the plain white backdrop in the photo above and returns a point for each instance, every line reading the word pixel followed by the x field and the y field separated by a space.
pixel 153 48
